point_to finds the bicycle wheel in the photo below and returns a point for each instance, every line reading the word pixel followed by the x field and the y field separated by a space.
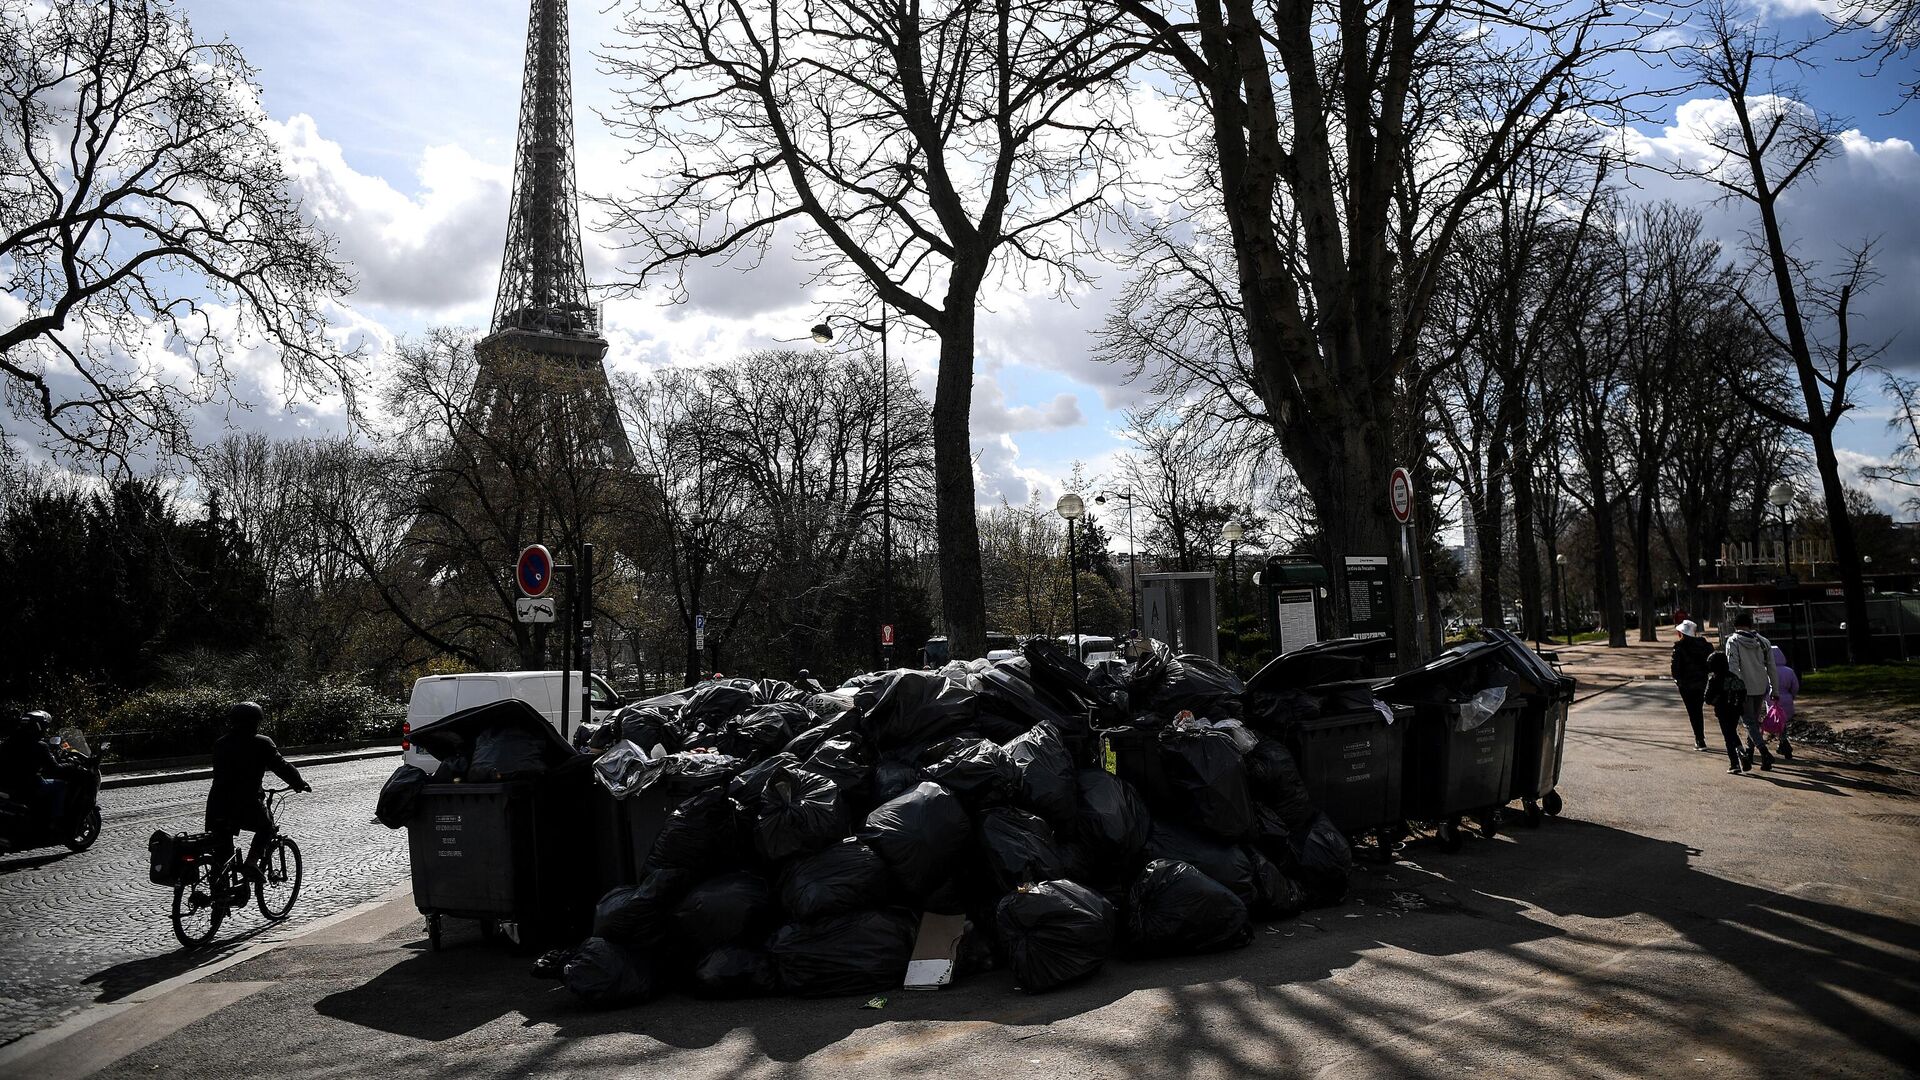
pixel 279 880
pixel 196 913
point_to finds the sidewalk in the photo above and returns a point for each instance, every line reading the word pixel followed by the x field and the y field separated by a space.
pixel 182 773
pixel 1639 934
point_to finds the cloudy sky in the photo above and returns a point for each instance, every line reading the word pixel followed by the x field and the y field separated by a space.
pixel 399 118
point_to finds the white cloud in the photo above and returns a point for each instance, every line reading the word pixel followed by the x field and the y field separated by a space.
pixel 992 415
pixel 435 254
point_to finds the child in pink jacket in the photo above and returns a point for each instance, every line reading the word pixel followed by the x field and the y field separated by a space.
pixel 1787 684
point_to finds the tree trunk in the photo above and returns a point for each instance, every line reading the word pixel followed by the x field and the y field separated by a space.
pixel 956 520
pixel 1349 492
pixel 1526 551
pixel 1491 538
pixel 1606 566
pixel 1643 563
pixel 1846 550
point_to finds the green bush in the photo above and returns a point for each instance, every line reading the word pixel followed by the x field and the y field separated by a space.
pixel 168 723
pixel 334 709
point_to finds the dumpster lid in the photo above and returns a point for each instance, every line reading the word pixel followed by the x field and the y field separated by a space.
pixel 1529 663
pixel 1336 660
pixel 453 734
pixel 1460 672
pixel 1294 570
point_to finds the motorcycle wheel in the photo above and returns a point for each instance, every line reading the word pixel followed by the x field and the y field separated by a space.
pixel 88 832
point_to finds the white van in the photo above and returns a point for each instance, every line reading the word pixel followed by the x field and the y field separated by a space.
pixel 438 695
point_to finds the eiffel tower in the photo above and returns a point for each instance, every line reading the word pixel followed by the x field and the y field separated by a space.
pixel 545 336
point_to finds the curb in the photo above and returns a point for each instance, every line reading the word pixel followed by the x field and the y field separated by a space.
pixel 180 775
pixel 32 1044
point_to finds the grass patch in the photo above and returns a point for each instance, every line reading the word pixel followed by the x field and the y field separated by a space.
pixel 1901 679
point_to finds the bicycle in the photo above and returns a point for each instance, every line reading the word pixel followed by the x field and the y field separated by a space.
pixel 207 892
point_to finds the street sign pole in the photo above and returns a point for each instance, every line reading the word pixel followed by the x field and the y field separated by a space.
pixel 1400 501
pixel 586 632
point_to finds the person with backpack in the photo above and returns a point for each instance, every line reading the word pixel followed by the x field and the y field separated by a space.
pixel 1689 670
pixel 1751 680
pixel 1725 709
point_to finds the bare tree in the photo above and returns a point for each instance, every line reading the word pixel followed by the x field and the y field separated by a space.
pixel 1190 480
pixel 144 209
pixel 1348 144
pixel 1892 28
pixel 1768 144
pixel 914 151
pixel 1904 470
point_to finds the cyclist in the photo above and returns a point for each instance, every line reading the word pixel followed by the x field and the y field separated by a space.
pixel 241 759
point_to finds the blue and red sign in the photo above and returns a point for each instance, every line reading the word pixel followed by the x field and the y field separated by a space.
pixel 535 570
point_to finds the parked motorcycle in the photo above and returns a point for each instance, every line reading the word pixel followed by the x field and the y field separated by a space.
pixel 27 820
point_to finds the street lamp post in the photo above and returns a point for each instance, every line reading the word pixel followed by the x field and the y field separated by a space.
pixel 1560 594
pixel 822 335
pixel 1234 532
pixel 1133 589
pixel 1071 508
pixel 1781 496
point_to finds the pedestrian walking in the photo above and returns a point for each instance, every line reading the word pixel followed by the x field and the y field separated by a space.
pixel 1726 709
pixel 1689 670
pixel 1786 685
pixel 1751 680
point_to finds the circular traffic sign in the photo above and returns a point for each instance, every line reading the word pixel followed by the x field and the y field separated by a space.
pixel 1400 495
pixel 534 571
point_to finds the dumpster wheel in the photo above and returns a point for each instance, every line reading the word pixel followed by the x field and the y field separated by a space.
pixel 1489 823
pixel 1448 833
pixel 1551 803
pixel 433 933
pixel 1532 807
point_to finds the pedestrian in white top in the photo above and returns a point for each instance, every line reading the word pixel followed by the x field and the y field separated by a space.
pixel 1751 678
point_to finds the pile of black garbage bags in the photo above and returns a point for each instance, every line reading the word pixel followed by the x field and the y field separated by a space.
pixel 811 830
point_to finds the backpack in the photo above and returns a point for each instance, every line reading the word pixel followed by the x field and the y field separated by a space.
pixel 1733 691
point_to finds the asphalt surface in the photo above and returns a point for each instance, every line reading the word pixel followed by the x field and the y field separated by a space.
pixel 1675 921
pixel 86 927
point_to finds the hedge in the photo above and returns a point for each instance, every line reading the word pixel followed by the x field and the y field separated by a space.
pixel 176 723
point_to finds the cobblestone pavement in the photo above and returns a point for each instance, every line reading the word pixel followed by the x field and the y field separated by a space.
pixel 87 927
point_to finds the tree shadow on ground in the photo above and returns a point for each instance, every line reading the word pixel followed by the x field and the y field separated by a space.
pixel 1266 1008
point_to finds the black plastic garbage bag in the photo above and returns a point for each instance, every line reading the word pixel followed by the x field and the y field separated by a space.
pixel 702 833
pixel 845 877
pixel 1206 783
pixel 1007 690
pixel 1047 786
pixel 857 953
pixel 399 795
pixel 716 702
pixel 920 835
pixel 607 975
pixel 745 788
pixel 1271 836
pixel 1174 909
pixel 799 812
pixel 506 753
pixel 1054 933
pixel 1202 686
pixel 1274 710
pixel 767 691
pixel 808 742
pixel 762 730
pixel 1058 675
pixel 893 778
pixel 1113 822
pixel 723 910
pixel 641 914
pixel 1276 781
pixel 1324 862
pixel 648 726
pixel 1019 849
pixel 914 708
pixel 1227 863
pixel 625 770
pixel 976 770
pixel 735 971
pixel 845 760
pixel 1275 895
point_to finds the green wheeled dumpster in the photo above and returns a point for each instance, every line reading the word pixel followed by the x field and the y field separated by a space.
pixel 1540 733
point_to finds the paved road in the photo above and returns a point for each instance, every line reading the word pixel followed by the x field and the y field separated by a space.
pixel 1675 921
pixel 90 927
